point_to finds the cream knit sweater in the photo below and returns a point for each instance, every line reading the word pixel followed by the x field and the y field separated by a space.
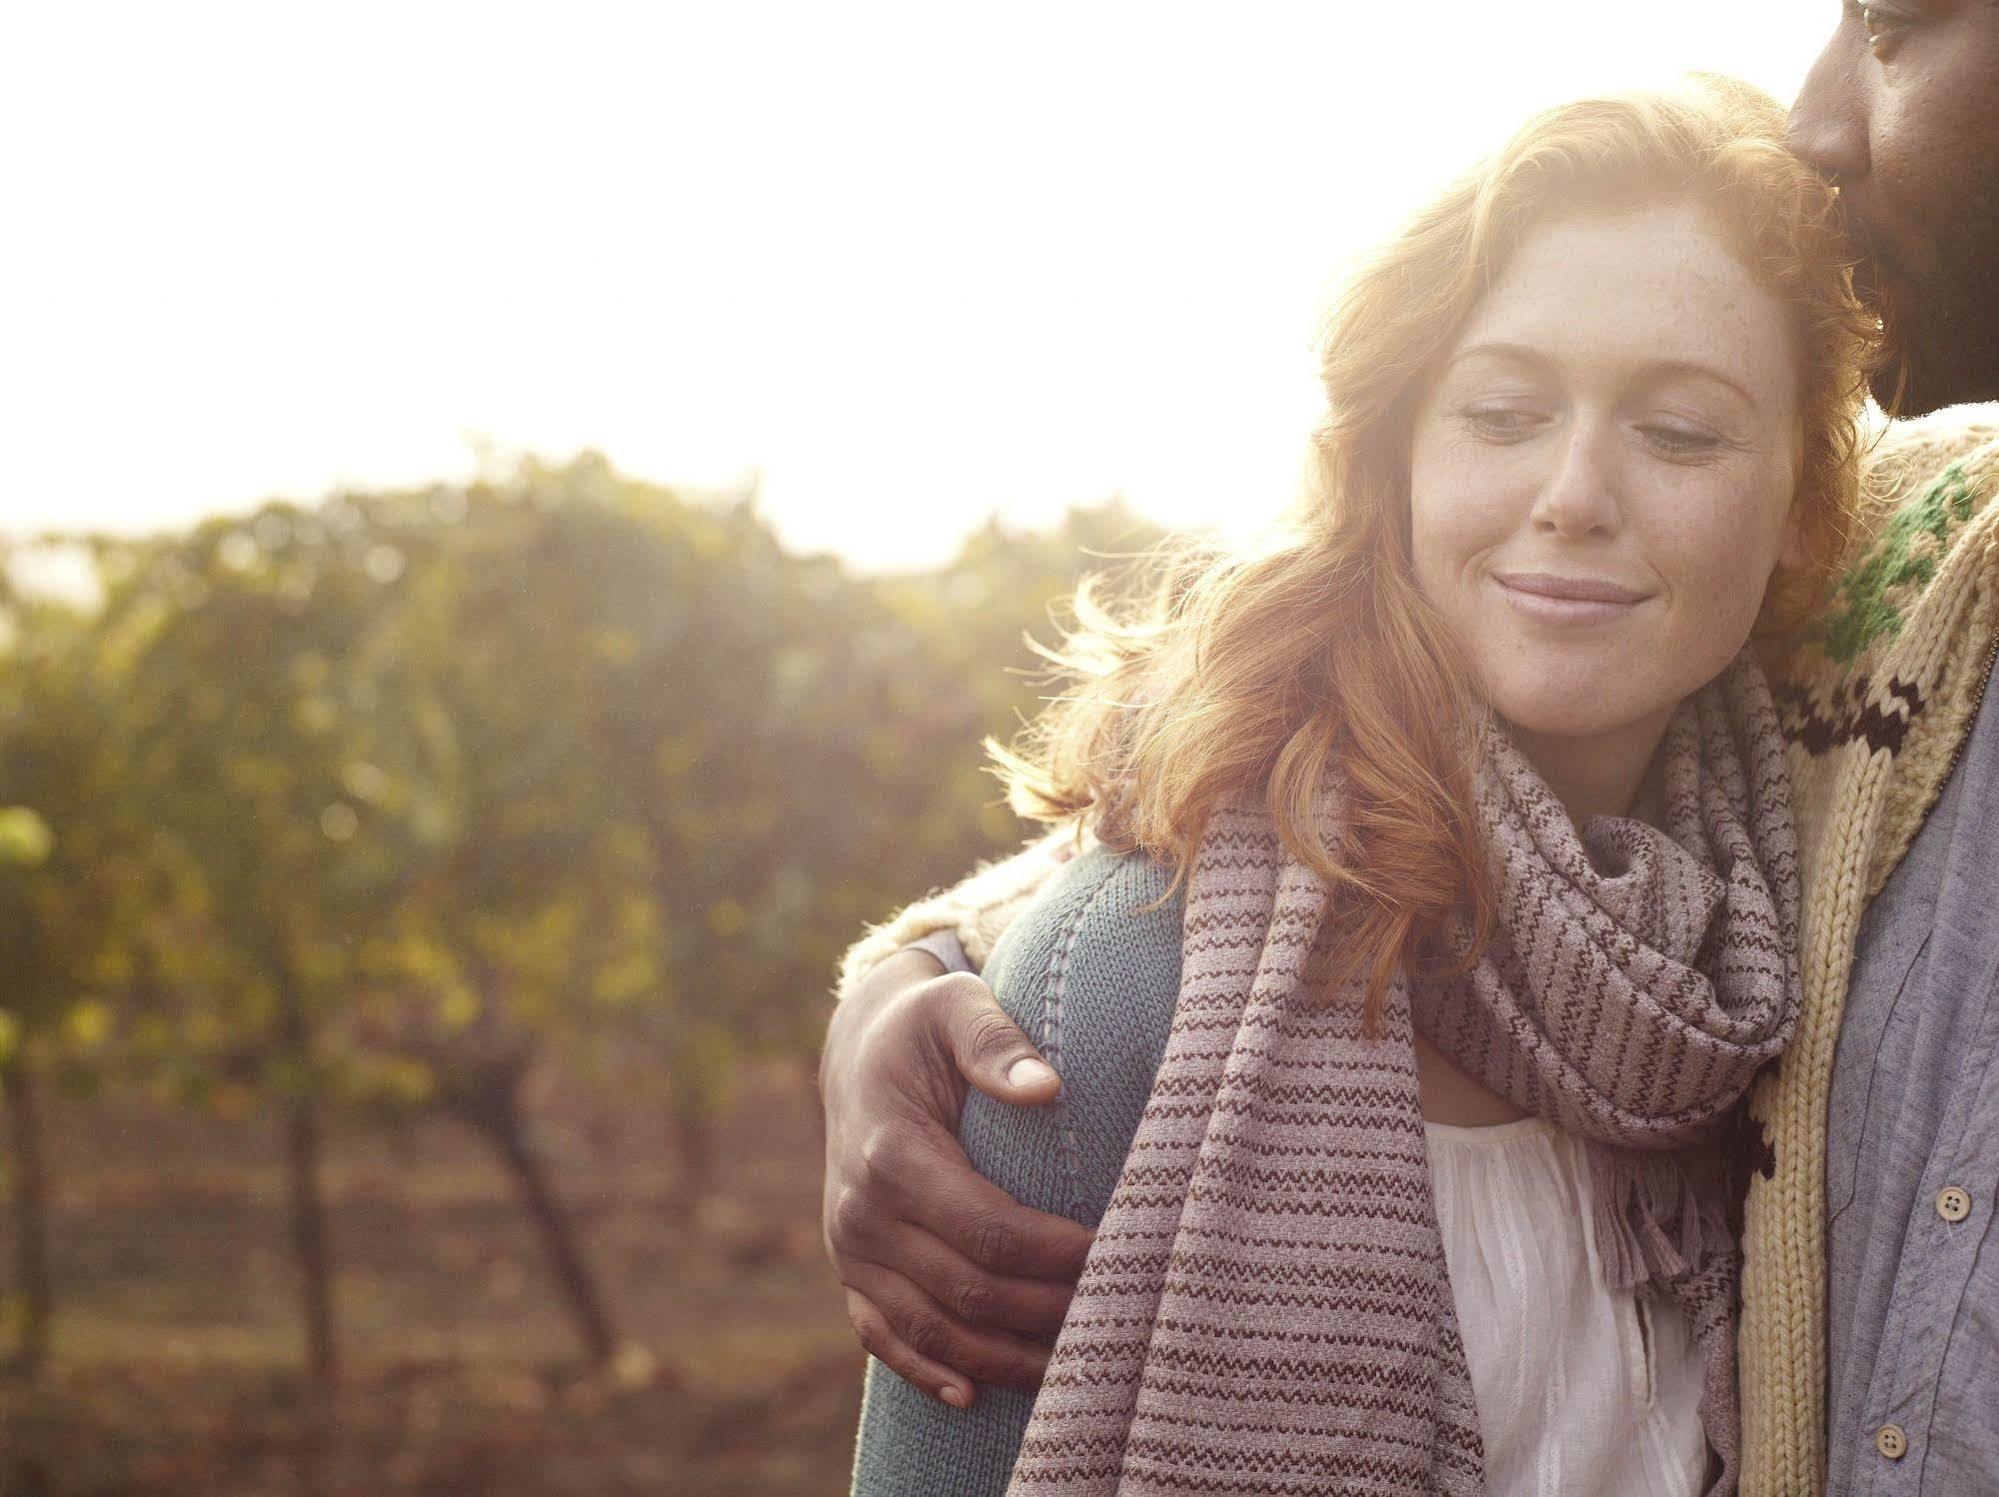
pixel 1876 707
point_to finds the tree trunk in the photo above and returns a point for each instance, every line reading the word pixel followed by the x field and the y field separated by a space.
pixel 304 1180
pixel 691 1140
pixel 500 1120
pixel 31 1219
pixel 308 1213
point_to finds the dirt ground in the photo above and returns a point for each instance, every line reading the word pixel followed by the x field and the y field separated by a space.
pixel 178 1352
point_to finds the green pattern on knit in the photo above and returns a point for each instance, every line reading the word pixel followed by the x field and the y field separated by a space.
pixel 1869 600
pixel 1091 972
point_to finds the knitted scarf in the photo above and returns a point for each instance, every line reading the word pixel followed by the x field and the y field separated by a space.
pixel 1266 1308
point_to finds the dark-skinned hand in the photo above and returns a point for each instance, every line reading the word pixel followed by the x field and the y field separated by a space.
pixel 949 1280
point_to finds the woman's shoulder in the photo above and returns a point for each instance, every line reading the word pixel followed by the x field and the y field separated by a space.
pixel 1106 916
pixel 1090 971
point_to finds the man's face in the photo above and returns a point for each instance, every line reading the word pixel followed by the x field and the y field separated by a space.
pixel 1902 110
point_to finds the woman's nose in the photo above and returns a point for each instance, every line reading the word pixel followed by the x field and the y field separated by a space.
pixel 1579 497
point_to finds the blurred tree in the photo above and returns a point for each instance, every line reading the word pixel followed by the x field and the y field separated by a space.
pixel 79 906
pixel 684 766
pixel 970 622
pixel 392 804
pixel 237 654
pixel 640 693
pixel 25 843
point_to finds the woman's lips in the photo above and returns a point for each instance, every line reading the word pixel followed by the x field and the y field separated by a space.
pixel 1567 600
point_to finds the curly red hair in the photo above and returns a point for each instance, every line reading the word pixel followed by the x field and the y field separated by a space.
pixel 1318 656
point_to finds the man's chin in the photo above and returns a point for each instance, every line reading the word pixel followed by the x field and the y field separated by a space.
pixel 1905 384
pixel 1889 385
pixel 1926 366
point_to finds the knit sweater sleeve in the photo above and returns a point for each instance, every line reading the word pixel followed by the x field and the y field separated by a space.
pixel 977 910
pixel 1091 971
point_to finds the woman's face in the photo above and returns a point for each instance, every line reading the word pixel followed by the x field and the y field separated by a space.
pixel 1602 473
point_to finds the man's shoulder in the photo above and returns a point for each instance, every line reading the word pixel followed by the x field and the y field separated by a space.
pixel 1897 660
pixel 1921 480
pixel 1900 458
pixel 1926 487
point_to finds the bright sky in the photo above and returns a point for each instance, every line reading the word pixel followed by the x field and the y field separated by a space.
pixel 902 264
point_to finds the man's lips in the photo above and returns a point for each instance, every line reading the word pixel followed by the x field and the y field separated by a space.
pixel 1563 599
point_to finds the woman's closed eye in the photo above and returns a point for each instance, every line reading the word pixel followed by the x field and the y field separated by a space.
pixel 1683 441
pixel 1502 423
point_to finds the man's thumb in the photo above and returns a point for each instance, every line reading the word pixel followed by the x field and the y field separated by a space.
pixel 996 1057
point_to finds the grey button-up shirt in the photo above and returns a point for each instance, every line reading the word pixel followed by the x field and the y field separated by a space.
pixel 1912 1162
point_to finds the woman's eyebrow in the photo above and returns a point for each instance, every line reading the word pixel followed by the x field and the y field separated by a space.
pixel 1517 352
pixel 1667 368
pixel 1660 369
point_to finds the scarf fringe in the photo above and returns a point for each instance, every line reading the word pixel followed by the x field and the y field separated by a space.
pixel 1654 1228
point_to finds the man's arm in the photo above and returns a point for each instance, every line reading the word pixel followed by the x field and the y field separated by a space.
pixel 948 1279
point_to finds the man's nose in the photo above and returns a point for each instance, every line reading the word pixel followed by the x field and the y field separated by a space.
pixel 1579 498
pixel 1828 125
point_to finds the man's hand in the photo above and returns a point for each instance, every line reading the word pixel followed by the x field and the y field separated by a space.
pixel 948 1278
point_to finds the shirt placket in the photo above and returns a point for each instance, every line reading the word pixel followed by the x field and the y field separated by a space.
pixel 1947 1223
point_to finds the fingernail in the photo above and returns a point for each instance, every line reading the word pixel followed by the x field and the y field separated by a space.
pixel 1028 1071
pixel 954 1396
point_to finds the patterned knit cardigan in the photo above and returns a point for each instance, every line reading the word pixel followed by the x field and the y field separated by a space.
pixel 1876 701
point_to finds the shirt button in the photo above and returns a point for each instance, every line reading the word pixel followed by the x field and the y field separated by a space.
pixel 1953 1203
pixel 1891 1442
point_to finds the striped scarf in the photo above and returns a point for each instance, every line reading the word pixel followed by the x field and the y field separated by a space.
pixel 1266 1308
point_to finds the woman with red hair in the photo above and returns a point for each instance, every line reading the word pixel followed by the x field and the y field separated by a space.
pixel 1436 895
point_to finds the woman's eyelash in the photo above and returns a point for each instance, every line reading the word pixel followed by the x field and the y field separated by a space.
pixel 1507 423
pixel 1499 420
pixel 1680 441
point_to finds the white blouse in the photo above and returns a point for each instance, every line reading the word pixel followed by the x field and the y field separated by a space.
pixel 1580 1389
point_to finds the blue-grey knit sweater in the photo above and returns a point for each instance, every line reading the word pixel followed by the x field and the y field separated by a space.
pixel 1091 972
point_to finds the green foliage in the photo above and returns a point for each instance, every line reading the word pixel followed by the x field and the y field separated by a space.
pixel 80 902
pixel 387 803
pixel 390 800
pixel 25 839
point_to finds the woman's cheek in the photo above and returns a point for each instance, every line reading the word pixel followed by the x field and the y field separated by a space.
pixel 1449 535
pixel 1723 553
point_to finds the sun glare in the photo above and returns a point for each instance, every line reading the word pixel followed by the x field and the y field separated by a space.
pixel 897 266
